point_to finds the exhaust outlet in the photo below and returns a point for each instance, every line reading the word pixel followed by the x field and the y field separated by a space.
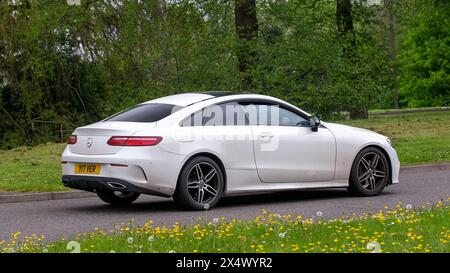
pixel 116 186
pixel 65 182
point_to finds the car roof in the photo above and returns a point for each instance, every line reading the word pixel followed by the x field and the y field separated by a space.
pixel 188 99
pixel 183 99
pixel 223 93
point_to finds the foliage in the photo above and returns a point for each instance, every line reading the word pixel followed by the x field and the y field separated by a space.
pixel 301 60
pixel 425 58
pixel 64 66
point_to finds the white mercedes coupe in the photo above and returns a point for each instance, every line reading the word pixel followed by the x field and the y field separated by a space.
pixel 198 147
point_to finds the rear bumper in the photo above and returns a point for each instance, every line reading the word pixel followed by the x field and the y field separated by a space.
pixel 148 168
pixel 98 183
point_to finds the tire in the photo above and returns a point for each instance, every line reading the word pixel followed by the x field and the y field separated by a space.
pixel 118 198
pixel 370 173
pixel 199 190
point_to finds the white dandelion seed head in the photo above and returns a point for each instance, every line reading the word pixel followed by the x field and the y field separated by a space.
pixel 151 238
pixel 215 220
pixel 373 247
pixel 206 206
pixel 282 235
pixel 409 206
pixel 130 240
pixel 319 213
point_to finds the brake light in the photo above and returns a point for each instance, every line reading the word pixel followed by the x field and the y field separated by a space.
pixel 134 140
pixel 72 140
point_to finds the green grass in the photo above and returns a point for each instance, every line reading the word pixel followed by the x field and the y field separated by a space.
pixel 418 138
pixel 29 169
pixel 398 230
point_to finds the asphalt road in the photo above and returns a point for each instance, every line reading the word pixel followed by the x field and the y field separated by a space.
pixel 65 218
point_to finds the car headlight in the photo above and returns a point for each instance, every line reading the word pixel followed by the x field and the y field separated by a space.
pixel 390 142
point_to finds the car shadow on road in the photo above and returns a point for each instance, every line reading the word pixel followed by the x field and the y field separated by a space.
pixel 154 204
pixel 283 197
pixel 289 196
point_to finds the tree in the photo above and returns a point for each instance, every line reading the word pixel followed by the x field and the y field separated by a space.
pixel 389 4
pixel 345 27
pixel 246 24
pixel 64 66
pixel 424 59
pixel 344 21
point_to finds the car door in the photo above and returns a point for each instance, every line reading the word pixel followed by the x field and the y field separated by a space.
pixel 285 147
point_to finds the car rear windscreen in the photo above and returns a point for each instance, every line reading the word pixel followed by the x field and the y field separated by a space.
pixel 150 112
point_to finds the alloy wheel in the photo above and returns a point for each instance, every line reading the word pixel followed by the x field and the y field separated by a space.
pixel 371 171
pixel 203 184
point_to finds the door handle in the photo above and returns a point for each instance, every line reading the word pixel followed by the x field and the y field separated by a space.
pixel 265 135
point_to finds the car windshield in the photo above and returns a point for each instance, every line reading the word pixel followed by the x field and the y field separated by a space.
pixel 150 112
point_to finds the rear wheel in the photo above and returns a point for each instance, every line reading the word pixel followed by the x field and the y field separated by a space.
pixel 118 198
pixel 200 184
pixel 370 172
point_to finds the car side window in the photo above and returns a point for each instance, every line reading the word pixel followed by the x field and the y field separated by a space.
pixel 289 118
pixel 266 114
pixel 147 112
pixel 194 119
pixel 224 114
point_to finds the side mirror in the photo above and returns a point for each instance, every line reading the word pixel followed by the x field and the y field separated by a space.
pixel 314 123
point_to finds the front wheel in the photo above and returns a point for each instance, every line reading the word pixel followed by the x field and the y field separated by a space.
pixel 200 184
pixel 118 198
pixel 370 172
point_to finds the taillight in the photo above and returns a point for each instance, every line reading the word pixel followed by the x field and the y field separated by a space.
pixel 72 140
pixel 134 140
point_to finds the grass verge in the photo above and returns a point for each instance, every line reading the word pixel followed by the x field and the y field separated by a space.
pixel 32 169
pixel 399 230
pixel 419 138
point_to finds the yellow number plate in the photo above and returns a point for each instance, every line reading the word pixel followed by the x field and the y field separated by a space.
pixel 87 168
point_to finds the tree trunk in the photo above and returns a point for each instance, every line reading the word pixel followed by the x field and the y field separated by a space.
pixel 393 53
pixel 345 27
pixel 246 25
pixel 344 21
pixel 359 114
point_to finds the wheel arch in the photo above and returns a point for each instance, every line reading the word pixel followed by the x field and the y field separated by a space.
pixel 213 157
pixel 383 150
